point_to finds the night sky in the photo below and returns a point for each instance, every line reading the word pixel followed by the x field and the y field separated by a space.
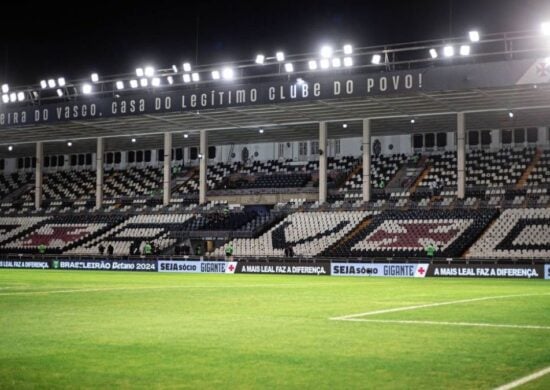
pixel 48 40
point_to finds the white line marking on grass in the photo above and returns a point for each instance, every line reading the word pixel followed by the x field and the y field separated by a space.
pixel 213 286
pixel 415 307
pixel 525 379
pixel 474 324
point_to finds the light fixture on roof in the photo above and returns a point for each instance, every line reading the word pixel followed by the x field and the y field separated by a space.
pixel 5 98
pixel 261 131
pixel 348 49
pixel 69 144
pixel 448 51
pixel 289 68
pixel 143 82
pixel 376 58
pixel 51 83
pixel 412 121
pixel 133 140
pixel 185 135
pixel 186 67
pixel 280 56
pixel 215 75
pixel 86 89
pixel 433 53
pixel 43 84
pixel 326 51
pixel 155 82
pixel 149 71
pixel 61 81
pixel 300 81
pixel 120 84
pixel 260 58
pixel 510 114
pixel 228 73
pixel 200 156
pixel 545 28
pixel 186 78
pixel 20 96
pixel 312 65
pixel 336 62
pixel 59 92
pixel 94 77
pixel 139 72
pixel 5 88
pixel 13 97
pixel 10 148
pixel 170 80
pixel 348 61
pixel 175 68
pixel 195 77
pixel 474 36
pixel 133 83
pixel 345 125
pixel 324 63
pixel 465 50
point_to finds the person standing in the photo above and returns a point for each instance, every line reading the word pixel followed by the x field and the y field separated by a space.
pixel 229 251
pixel 147 249
pixel 101 249
pixel 110 250
pixel 430 250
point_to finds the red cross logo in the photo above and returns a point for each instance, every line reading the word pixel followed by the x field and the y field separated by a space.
pixel 231 268
pixel 421 270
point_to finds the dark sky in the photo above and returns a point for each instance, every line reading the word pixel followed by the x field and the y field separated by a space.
pixel 48 39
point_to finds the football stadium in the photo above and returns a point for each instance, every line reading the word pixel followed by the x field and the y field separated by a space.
pixel 354 216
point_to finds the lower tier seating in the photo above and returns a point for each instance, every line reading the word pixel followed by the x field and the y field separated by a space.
pixel 517 233
pixel 408 233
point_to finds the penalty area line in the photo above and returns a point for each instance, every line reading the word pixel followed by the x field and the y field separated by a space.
pixel 448 323
pixel 525 379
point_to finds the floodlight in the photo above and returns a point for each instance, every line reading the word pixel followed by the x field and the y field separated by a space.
pixel 510 114
pixel 13 97
pixel 170 80
pixel 69 144
pixel 215 75
pixel 143 82
pixel 139 72
pixel 300 81
pixel 376 59
pixel 326 51
pixel 149 71
pixel 94 77
pixel 51 83
pixel 348 61
pixel 433 53
pixel 155 81
pixel 260 58
pixel 412 121
pixel 186 135
pixel 324 63
pixel 312 65
pixel 186 67
pixel 59 92
pixel 195 77
pixel 465 50
pixel 43 84
pixel 61 81
pixel 474 36
pixel 5 98
pixel 133 83
pixel 86 89
pixel 175 68
pixel 348 49
pixel 448 51
pixel 336 62
pixel 289 68
pixel 228 74
pixel 280 56
pixel 186 78
pixel 5 88
pixel 345 125
pixel 545 28
pixel 120 84
pixel 20 96
pixel 133 140
pixel 10 148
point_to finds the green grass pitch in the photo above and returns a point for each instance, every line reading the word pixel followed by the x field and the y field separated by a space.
pixel 64 329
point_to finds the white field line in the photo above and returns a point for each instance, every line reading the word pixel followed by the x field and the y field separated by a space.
pixel 474 324
pixel 214 286
pixel 524 380
pixel 415 307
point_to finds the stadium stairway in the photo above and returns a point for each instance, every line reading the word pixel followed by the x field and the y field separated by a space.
pixel 425 172
pixel 466 252
pixel 18 192
pixel 534 162
pixel 348 237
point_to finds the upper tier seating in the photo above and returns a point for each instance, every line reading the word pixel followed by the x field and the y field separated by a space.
pixel 10 183
pixel 308 233
pixel 408 233
pixel 383 169
pixel 540 175
pixel 517 233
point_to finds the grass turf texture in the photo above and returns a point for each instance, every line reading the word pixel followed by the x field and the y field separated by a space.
pixel 248 331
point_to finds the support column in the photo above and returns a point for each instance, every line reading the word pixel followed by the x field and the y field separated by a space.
pixel 322 162
pixel 461 154
pixel 366 160
pixel 100 151
pixel 167 182
pixel 203 150
pixel 38 175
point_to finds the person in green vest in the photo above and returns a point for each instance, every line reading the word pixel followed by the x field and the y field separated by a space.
pixel 381 184
pixel 198 250
pixel 229 251
pixel 147 249
pixel 41 248
pixel 430 250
